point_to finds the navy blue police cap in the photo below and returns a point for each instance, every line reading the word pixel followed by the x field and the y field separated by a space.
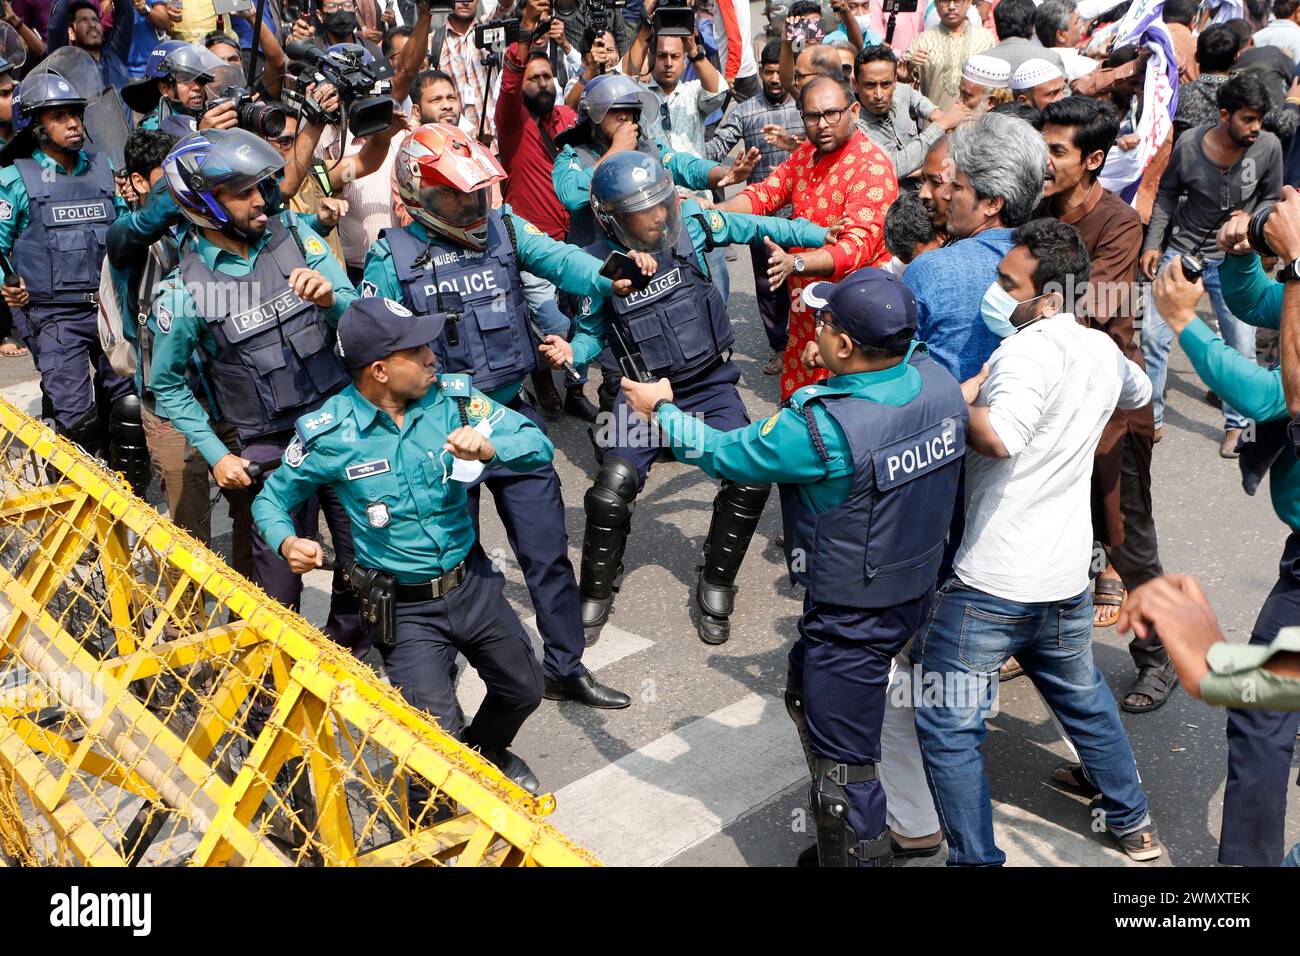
pixel 374 328
pixel 871 306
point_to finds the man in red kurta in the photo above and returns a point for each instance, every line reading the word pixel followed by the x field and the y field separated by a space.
pixel 837 177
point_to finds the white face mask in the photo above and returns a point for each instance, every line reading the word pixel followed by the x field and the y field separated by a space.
pixel 468 471
pixel 997 307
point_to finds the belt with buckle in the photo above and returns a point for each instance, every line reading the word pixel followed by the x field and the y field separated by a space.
pixel 431 590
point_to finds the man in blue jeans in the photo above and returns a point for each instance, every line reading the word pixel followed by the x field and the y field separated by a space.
pixel 1036 414
pixel 1214 170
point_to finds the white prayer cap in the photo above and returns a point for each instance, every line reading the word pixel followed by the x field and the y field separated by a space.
pixel 1035 72
pixel 987 71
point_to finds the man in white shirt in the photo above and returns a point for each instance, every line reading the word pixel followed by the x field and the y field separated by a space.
pixel 1284 31
pixel 1020 577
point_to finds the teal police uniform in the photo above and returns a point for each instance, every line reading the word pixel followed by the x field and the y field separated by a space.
pixel 867 464
pixel 412 520
pixel 296 371
pixel 486 288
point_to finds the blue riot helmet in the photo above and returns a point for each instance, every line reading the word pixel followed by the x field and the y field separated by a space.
pixel 635 201
pixel 614 91
pixel 232 160
pixel 42 91
pixel 142 95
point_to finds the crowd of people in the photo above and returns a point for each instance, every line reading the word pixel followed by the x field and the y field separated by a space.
pixel 344 257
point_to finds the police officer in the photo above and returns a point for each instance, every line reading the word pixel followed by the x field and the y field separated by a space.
pixel 867 462
pixel 391 446
pixel 678 327
pixel 172 91
pixel 8 84
pixel 56 204
pixel 257 296
pixel 461 260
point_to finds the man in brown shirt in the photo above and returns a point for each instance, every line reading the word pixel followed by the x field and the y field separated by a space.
pixel 1079 132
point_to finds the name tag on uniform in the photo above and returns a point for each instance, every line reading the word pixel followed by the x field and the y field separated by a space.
pixel 658 286
pixel 243 324
pixel 368 468
pixel 66 213
pixel 919 454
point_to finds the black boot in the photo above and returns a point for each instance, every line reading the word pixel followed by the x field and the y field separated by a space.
pixel 86 432
pixel 578 405
pixel 607 391
pixel 736 511
pixel 548 400
pixel 608 504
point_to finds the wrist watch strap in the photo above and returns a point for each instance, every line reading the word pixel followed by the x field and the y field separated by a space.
pixel 1290 272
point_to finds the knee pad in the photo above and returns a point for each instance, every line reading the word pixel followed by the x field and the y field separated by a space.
pixel 611 498
pixel 128 451
pixel 838 844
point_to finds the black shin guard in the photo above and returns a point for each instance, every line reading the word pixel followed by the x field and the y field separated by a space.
pixel 127 451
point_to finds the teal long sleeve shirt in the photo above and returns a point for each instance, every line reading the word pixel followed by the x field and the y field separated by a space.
pixel 781 448
pixel 725 227
pixel 572 180
pixel 408 516
pixel 1251 294
pixel 15 209
pixel 179 329
pixel 568 267
pixel 1239 676
pixel 1254 391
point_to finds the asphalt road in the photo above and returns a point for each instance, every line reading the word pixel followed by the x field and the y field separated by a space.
pixel 704 768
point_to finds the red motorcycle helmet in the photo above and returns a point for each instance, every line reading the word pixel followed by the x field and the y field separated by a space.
pixel 443 177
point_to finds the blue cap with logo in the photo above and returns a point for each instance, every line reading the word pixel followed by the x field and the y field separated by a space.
pixel 871 306
pixel 374 328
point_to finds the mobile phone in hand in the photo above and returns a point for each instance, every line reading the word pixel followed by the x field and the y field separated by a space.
pixel 622 266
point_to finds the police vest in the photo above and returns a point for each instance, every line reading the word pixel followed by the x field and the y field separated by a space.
pixel 488 337
pixel 179 125
pixel 679 322
pixel 61 251
pixel 883 545
pixel 583 228
pixel 275 352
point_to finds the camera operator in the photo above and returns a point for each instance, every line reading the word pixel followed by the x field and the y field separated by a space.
pixel 455 53
pixel 173 91
pixel 598 16
pixel 305 196
pixel 599 56
pixel 337 22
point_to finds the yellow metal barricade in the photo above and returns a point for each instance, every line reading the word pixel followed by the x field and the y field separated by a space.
pixel 157 709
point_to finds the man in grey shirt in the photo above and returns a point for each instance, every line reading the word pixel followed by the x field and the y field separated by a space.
pixel 1215 170
pixel 1014 22
pixel 898 119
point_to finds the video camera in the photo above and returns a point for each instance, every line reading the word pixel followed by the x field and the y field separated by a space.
pixel 362 91
pixel 674 18
pixel 600 15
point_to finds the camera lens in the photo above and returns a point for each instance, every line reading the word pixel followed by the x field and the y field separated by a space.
pixel 260 118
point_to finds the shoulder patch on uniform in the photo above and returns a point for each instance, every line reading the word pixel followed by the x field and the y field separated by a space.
pixel 533 230
pixel 6 210
pixel 716 222
pixel 769 424
pixel 667 158
pixel 315 246
pixel 479 407
pixel 368 289
pixel 294 452
pixel 164 317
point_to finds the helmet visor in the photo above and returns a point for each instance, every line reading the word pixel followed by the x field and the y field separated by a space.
pixel 192 63
pixel 457 209
pixel 650 227
pixel 238 160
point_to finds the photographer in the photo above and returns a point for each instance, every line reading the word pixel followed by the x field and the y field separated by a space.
pixel 456 54
pixel 599 56
pixel 173 91
pixel 598 16
pixel 337 22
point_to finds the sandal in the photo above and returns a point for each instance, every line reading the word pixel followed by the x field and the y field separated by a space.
pixel 1010 670
pixel 11 349
pixel 1107 593
pixel 1071 778
pixel 1155 682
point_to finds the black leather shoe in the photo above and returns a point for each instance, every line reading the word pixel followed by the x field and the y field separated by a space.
pixel 514 767
pixel 544 390
pixel 595 612
pixel 586 690
pixel 714 628
pixel 578 405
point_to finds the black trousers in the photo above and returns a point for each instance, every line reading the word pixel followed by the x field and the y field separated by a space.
pixel 1261 744
pixel 1137 559
pixel 773 306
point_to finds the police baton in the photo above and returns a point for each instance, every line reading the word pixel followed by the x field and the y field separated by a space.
pixel 7 269
pixel 258 470
pixel 571 373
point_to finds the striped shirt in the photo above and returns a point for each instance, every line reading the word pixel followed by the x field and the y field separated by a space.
pixel 370 203
pixel 745 123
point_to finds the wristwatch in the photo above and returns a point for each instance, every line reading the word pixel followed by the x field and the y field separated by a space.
pixel 1290 272
pixel 698 57
pixel 654 412
pixel 798 264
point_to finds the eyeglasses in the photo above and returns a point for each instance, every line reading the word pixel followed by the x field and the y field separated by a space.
pixel 338 6
pixel 832 117
pixel 282 141
pixel 948 3
pixel 664 118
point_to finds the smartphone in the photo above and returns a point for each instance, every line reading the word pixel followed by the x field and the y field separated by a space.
pixel 622 266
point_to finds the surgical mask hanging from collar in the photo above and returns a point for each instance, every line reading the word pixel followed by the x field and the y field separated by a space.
pixel 997 307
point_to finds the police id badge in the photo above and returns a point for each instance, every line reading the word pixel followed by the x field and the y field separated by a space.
pixel 378 515
pixel 454 385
